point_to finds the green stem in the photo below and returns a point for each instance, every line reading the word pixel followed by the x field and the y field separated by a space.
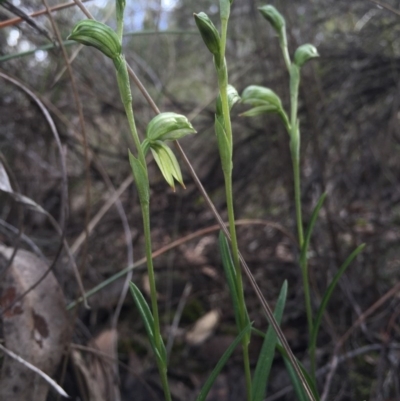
pixel 123 83
pixel 295 154
pixel 153 295
pixel 285 50
pixel 223 85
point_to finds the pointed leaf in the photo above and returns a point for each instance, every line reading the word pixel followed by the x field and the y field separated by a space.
pixel 257 111
pixel 225 148
pixel 230 274
pixel 233 98
pixel 266 357
pixel 148 322
pixel 144 311
pixel 214 374
pixel 142 182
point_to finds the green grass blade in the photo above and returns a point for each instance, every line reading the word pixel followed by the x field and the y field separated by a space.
pixel 296 382
pixel 148 322
pixel 210 381
pixel 230 274
pixel 310 228
pixel 328 294
pixel 266 357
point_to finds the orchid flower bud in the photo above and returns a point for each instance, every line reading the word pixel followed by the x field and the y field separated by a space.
pixel 96 34
pixel 274 17
pixel 168 127
pixel 209 33
pixel 263 100
pixel 259 96
pixel 305 53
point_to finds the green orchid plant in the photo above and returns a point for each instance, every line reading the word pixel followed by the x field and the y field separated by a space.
pixel 169 126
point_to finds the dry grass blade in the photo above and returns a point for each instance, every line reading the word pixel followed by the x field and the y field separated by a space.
pixel 28 365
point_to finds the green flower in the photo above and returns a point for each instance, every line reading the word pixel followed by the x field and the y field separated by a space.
pixel 96 34
pixel 168 127
pixel 274 17
pixel 304 53
pixel 263 100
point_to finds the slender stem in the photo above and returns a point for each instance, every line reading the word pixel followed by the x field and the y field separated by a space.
pixel 153 295
pixel 285 50
pixel 297 195
pixel 295 153
pixel 223 85
pixel 295 146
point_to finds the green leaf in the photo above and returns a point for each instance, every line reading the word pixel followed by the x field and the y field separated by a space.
pixel 214 374
pixel 305 53
pixel 140 175
pixel 328 294
pixel 96 34
pixel 209 33
pixel 167 163
pixel 257 111
pixel 168 127
pixel 148 322
pixel 230 274
pixel 266 357
pixel 233 98
pixel 310 228
pixel 224 146
pixel 119 11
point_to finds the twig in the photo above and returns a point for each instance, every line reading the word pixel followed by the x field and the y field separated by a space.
pixel 20 13
pixel 386 6
pixel 39 372
pixel 15 21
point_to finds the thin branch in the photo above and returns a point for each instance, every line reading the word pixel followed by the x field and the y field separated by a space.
pixel 386 6
pixel 15 21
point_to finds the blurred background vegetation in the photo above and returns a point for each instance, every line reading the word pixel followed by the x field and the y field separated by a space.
pixel 350 99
